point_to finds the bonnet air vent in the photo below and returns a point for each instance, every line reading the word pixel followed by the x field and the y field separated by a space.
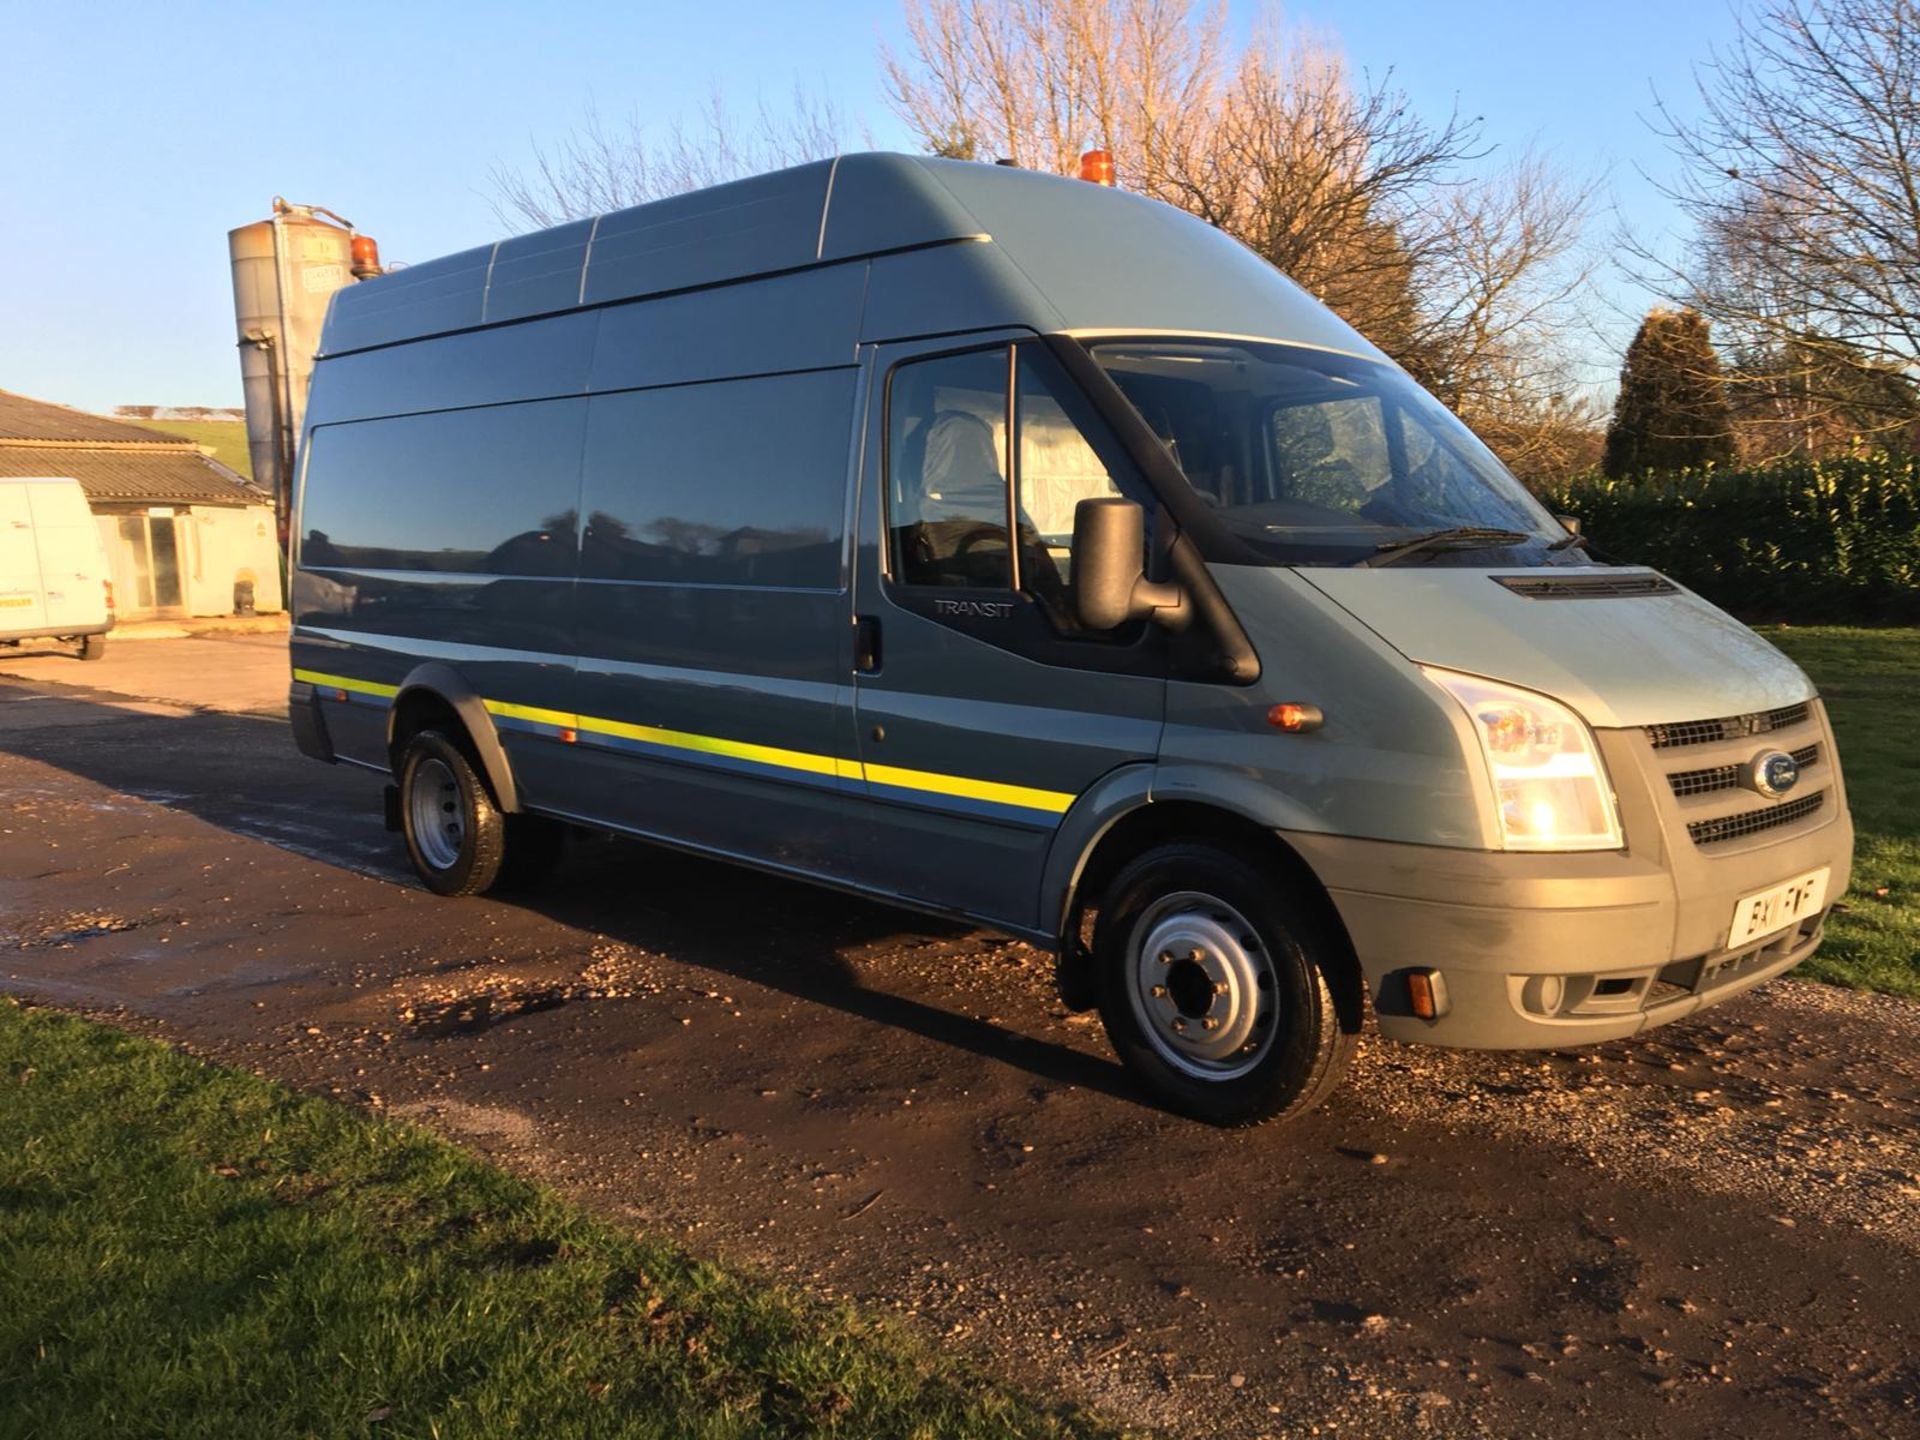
pixel 1586 587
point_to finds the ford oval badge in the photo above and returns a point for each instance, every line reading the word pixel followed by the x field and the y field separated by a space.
pixel 1772 773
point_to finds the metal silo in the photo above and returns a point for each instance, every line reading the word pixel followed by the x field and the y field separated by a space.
pixel 285 270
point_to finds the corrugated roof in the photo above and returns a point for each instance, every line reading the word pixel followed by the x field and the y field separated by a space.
pixel 149 477
pixel 22 418
pixel 113 460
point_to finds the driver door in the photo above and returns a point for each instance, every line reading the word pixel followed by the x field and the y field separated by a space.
pixel 983 711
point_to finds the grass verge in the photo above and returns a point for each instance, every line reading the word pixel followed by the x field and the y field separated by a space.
pixel 190 1251
pixel 1870 680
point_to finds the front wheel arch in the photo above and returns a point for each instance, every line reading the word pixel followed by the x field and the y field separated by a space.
pixel 1154 824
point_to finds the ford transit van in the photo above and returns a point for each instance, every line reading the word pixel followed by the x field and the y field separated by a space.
pixel 55 584
pixel 1015 549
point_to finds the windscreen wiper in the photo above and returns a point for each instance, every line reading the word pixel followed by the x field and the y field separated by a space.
pixel 1463 536
pixel 1574 541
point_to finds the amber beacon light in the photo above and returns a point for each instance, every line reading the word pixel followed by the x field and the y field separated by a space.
pixel 1097 166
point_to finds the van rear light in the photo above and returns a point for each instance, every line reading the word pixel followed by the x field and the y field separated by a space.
pixel 108 586
pixel 1097 166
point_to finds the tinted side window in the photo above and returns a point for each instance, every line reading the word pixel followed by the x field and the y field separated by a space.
pixel 947 471
pixel 739 482
pixel 491 491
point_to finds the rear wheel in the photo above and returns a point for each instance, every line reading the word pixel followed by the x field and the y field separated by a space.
pixel 1216 985
pixel 455 834
pixel 93 647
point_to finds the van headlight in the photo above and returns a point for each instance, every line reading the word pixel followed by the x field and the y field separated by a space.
pixel 1549 787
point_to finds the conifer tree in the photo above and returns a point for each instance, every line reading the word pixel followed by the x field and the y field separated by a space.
pixel 1672 411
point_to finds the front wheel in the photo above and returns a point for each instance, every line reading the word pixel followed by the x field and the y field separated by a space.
pixel 1216 985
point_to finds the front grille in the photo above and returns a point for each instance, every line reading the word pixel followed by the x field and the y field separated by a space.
pixel 1586 587
pixel 1733 727
pixel 1751 822
pixel 1727 777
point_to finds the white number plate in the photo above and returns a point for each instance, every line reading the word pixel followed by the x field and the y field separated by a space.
pixel 1757 916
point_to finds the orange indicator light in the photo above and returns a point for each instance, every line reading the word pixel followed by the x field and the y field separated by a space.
pixel 1427 994
pixel 1295 718
pixel 567 737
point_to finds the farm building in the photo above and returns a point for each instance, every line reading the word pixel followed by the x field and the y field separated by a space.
pixel 186 535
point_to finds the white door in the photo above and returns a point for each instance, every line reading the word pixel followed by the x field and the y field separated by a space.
pixel 23 607
pixel 73 562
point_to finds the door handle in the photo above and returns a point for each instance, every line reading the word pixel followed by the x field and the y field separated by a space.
pixel 866 643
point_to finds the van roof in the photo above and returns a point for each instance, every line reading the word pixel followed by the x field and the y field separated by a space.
pixel 1066 256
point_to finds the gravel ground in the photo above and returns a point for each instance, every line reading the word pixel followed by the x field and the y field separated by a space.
pixel 1710 1231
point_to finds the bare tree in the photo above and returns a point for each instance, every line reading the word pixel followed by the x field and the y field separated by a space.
pixel 1462 276
pixel 1802 177
pixel 603 166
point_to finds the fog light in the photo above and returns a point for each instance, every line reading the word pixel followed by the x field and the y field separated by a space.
pixel 1427 993
pixel 1544 994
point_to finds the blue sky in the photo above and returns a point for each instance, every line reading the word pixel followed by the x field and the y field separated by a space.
pixel 136 135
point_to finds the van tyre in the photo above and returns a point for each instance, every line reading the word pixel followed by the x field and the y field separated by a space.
pixel 455 834
pixel 93 647
pixel 1216 985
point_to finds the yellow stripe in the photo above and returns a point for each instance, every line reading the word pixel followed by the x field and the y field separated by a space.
pixel 713 745
pixel 1024 797
pixel 342 682
pixel 534 713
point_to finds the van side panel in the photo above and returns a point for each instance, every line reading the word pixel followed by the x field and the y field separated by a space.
pixel 792 322
pixel 713 615
pixel 530 361
pixel 73 559
pixel 948 289
pixel 23 607
pixel 446 536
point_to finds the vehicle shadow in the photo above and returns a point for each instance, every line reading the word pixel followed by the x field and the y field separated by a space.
pixel 241 773
pixel 790 937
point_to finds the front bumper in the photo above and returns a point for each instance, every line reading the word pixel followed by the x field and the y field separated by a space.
pixel 1541 951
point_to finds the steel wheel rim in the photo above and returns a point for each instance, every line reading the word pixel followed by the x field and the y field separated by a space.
pixel 438 814
pixel 1202 986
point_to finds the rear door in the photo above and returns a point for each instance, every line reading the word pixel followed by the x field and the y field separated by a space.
pixel 982 710
pixel 73 561
pixel 23 607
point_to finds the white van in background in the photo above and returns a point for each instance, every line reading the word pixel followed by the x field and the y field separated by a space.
pixel 54 577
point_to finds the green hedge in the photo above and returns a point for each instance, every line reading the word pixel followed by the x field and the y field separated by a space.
pixel 1800 541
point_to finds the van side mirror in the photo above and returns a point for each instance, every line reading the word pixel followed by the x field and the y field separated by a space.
pixel 1569 523
pixel 1109 585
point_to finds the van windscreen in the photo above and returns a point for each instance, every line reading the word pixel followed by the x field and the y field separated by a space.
pixel 1320 459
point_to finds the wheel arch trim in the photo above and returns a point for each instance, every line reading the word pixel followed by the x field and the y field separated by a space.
pixel 1136 789
pixel 440 681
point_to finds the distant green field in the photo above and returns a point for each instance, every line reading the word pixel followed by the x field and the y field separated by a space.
pixel 228 439
pixel 1870 680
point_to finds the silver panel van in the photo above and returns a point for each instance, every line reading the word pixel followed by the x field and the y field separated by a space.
pixel 1012 548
